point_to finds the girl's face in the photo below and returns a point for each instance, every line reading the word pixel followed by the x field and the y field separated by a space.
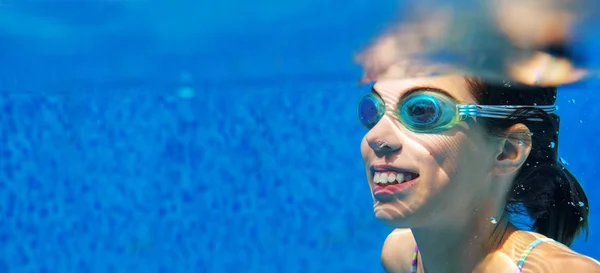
pixel 416 177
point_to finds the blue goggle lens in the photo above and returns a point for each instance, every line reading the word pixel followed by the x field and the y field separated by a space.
pixel 371 109
pixel 421 111
pixel 428 112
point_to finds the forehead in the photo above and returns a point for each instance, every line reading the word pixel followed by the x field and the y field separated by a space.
pixel 456 86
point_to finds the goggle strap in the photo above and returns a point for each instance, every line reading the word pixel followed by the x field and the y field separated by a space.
pixel 501 116
pixel 499 111
pixel 511 108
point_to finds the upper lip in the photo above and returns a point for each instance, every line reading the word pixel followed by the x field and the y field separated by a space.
pixel 382 168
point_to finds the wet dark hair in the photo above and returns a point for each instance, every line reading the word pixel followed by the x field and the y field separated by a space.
pixel 544 190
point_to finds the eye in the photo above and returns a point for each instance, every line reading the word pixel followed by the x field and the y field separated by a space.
pixel 422 110
pixel 371 109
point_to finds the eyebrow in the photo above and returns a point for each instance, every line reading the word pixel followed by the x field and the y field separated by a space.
pixel 419 88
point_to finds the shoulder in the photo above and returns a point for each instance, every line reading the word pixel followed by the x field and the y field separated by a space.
pixel 582 263
pixel 554 257
pixel 397 251
pixel 560 258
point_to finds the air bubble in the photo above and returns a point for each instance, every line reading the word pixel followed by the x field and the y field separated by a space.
pixel 563 161
pixel 572 100
pixel 580 121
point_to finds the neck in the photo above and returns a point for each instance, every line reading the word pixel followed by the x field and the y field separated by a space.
pixel 461 246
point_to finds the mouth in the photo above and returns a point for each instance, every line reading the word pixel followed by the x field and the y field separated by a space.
pixel 390 183
pixel 388 177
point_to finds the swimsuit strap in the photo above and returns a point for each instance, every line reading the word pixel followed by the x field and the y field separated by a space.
pixel 520 263
pixel 415 260
pixel 526 252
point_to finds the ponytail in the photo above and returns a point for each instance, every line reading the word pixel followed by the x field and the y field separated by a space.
pixel 553 198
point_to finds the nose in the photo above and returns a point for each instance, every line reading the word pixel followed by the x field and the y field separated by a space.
pixel 383 138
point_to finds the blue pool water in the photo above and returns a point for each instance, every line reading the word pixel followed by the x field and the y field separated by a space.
pixel 178 155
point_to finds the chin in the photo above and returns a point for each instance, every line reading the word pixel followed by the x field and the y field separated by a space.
pixel 391 216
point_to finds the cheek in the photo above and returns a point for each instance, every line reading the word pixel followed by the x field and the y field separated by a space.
pixel 456 158
pixel 365 150
pixel 443 150
pixel 450 161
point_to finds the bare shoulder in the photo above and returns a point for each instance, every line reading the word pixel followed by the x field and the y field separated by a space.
pixel 397 251
pixel 561 259
pixel 553 257
pixel 581 263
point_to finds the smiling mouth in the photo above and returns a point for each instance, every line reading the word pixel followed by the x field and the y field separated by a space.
pixel 384 178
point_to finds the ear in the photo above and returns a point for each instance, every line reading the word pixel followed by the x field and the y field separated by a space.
pixel 512 150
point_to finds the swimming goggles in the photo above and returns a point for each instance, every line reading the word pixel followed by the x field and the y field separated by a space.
pixel 427 111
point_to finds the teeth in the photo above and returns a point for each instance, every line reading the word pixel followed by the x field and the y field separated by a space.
pixel 385 178
pixel 391 178
pixel 400 177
